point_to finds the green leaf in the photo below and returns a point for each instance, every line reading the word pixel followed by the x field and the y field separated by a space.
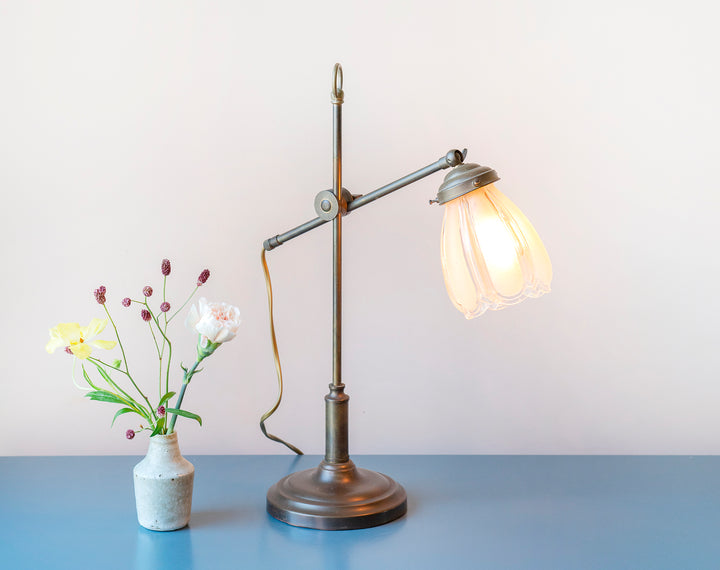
pixel 184 413
pixel 158 427
pixel 122 411
pixel 116 364
pixel 87 378
pixel 102 372
pixel 105 396
pixel 127 400
pixel 165 398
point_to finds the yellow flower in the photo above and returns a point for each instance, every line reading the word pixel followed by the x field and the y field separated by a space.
pixel 77 339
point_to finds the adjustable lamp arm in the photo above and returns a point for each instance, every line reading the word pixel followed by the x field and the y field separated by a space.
pixel 327 207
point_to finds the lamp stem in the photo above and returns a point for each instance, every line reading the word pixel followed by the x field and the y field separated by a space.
pixel 336 402
pixel 337 245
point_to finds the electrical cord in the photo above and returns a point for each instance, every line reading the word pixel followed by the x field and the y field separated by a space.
pixel 276 357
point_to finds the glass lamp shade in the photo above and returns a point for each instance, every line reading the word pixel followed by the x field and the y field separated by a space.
pixel 492 256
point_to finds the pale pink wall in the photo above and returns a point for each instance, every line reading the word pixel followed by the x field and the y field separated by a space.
pixel 137 131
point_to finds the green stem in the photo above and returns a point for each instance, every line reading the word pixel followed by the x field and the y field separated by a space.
pixel 162 350
pixel 110 366
pixel 185 303
pixel 186 380
pixel 160 359
pixel 167 373
pixel 127 367
pixel 117 336
pixel 157 346
pixel 160 330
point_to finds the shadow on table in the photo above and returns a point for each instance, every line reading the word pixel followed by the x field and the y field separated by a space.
pixel 216 517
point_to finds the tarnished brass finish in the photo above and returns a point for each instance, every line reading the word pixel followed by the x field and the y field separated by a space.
pixel 336 420
pixel 352 202
pixel 337 236
pixel 337 96
pixel 327 205
pixel 336 496
pixel 463 179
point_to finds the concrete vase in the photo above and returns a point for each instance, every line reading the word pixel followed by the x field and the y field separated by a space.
pixel 164 485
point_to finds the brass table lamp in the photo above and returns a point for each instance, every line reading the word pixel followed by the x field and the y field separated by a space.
pixel 492 257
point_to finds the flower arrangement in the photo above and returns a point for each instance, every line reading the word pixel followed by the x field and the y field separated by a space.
pixel 214 323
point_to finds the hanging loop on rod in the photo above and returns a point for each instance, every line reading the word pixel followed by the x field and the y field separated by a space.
pixel 337 95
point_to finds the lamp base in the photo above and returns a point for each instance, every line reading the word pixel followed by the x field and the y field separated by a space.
pixel 336 496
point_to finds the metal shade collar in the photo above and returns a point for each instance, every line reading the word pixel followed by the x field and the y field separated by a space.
pixel 463 179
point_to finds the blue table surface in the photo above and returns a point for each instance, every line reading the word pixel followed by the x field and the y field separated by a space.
pixel 463 512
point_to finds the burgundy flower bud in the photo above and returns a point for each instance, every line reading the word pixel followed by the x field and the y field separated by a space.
pixel 145 314
pixel 126 302
pixel 67 349
pixel 165 267
pixel 147 290
pixel 100 294
pixel 203 277
pixel 165 307
pixel 130 434
pixel 161 411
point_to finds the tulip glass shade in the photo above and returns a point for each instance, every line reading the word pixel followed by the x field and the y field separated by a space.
pixel 492 256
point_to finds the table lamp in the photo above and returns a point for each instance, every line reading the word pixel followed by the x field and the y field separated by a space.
pixel 491 257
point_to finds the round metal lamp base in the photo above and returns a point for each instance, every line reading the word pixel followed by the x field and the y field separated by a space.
pixel 336 496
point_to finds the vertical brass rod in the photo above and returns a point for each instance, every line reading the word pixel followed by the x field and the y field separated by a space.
pixel 336 402
pixel 337 246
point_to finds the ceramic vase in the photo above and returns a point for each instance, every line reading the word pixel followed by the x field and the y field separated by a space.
pixel 164 485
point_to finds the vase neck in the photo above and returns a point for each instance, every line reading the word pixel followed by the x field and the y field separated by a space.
pixel 164 445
